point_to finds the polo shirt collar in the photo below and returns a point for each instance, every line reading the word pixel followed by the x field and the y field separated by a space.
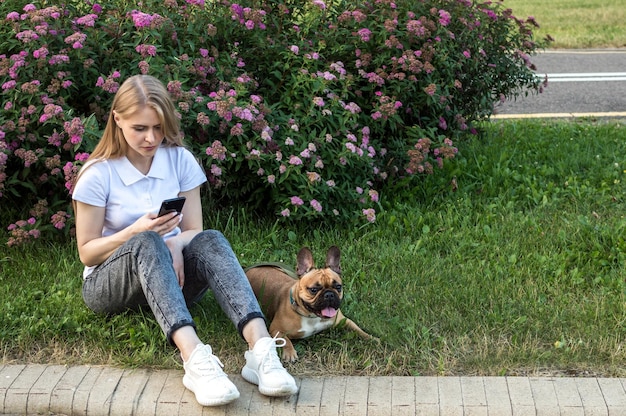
pixel 129 174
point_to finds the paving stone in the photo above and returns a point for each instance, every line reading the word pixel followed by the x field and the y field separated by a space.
pixel 214 411
pixel 568 397
pixel 83 390
pixel 260 404
pixel 546 403
pixel 62 395
pixel 357 389
pixel 450 396
pixel 614 395
pixel 333 394
pixel 247 392
pixel 309 397
pixel 171 395
pixel 128 391
pixel 520 393
pixel 16 399
pixel 403 396
pixel 285 406
pixel 40 394
pixel 379 396
pixel 591 397
pixel 474 397
pixel 497 396
pixel 147 401
pixel 8 375
pixel 99 401
pixel 189 406
pixel 427 396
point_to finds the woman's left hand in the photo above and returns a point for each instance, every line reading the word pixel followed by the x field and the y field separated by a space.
pixel 178 260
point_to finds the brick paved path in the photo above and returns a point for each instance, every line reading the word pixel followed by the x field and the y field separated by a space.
pixel 84 390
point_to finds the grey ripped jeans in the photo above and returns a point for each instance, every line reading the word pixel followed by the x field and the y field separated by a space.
pixel 140 273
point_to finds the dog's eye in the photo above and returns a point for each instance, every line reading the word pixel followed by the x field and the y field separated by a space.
pixel 338 288
pixel 313 290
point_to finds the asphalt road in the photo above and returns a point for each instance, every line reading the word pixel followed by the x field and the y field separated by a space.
pixel 580 83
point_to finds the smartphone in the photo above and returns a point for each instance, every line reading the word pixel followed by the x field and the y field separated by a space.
pixel 171 205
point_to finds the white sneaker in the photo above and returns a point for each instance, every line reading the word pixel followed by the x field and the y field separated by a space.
pixel 263 368
pixel 204 376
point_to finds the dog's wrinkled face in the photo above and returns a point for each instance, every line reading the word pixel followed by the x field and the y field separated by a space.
pixel 320 290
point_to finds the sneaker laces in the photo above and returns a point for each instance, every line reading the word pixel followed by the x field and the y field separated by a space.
pixel 269 359
pixel 206 364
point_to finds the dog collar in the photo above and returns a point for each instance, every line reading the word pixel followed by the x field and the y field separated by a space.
pixel 295 307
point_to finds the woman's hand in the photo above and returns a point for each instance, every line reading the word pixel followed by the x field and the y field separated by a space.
pixel 161 225
pixel 176 246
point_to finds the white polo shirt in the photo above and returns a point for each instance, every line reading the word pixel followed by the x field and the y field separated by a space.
pixel 127 194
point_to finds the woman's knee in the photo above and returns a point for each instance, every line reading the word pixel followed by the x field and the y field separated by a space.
pixel 212 236
pixel 148 242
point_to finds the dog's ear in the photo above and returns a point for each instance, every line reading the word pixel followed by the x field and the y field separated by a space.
pixel 305 261
pixel 332 259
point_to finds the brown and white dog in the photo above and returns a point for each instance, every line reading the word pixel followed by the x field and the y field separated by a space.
pixel 298 306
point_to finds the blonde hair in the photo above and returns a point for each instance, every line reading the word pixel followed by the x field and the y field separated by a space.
pixel 136 92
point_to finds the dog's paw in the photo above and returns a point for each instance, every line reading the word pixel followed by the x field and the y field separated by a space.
pixel 289 355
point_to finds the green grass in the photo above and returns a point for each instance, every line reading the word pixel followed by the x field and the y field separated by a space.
pixel 576 23
pixel 518 271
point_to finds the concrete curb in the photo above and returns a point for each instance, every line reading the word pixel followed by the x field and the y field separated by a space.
pixel 90 390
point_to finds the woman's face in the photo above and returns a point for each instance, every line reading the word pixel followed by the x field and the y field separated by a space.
pixel 143 133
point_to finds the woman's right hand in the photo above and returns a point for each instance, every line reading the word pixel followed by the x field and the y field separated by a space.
pixel 161 225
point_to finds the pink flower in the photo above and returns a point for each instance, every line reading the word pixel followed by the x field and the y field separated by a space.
pixel 81 157
pixel 295 200
pixel 320 4
pixel 216 170
pixel 316 205
pixel 9 85
pixel 40 53
pixel 27 36
pixel 370 214
pixel 146 50
pixel 285 212
pixel 295 160
pixel 364 34
pixel 76 40
pixel 444 18
pixel 217 150
pixel 58 219
pixel 87 20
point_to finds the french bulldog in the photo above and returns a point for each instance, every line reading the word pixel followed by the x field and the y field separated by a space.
pixel 301 305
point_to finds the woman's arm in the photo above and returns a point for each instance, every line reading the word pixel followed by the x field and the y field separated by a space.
pixel 93 249
pixel 190 226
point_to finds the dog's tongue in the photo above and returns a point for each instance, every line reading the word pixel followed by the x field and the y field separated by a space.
pixel 329 312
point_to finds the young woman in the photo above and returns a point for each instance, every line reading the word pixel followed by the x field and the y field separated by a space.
pixel 133 258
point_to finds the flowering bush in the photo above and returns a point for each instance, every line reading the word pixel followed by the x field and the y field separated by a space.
pixel 301 108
